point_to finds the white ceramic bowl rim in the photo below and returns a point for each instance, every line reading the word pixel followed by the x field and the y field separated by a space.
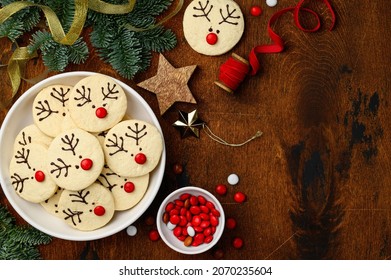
pixel 168 236
pixel 34 214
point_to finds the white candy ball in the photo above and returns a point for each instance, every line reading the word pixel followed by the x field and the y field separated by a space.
pixel 233 179
pixel 131 230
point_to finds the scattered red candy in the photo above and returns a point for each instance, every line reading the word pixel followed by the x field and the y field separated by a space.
pixel 237 243
pixel 221 189
pixel 140 158
pixel 177 168
pixel 256 11
pixel 86 164
pixel 129 187
pixel 99 210
pixel 101 112
pixel 240 197
pixel 39 176
pixel 230 223
pixel 195 218
pixel 153 235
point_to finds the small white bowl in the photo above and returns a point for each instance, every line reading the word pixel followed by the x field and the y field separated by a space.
pixel 171 240
pixel 20 115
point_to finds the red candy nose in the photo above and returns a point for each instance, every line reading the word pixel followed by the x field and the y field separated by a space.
pixel 86 164
pixel 99 210
pixel 211 38
pixel 101 112
pixel 140 158
pixel 39 176
pixel 129 187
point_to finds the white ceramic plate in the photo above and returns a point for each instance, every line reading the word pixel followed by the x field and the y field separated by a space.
pixel 20 115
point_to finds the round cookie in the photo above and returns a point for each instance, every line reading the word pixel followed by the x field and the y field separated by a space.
pixel 87 209
pixel 29 175
pixel 75 159
pixel 127 191
pixel 213 27
pixel 49 108
pixel 31 134
pixel 51 204
pixel 133 148
pixel 97 103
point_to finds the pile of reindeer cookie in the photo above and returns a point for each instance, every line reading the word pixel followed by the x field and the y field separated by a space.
pixel 83 158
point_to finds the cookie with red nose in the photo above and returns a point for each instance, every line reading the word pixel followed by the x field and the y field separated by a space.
pixel 213 27
pixel 97 103
pixel 75 159
pixel 29 174
pixel 133 148
pixel 87 209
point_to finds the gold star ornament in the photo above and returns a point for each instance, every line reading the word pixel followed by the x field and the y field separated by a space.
pixel 170 84
pixel 189 124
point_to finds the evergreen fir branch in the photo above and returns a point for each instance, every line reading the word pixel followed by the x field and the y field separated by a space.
pixel 19 242
pixel 124 55
pixel 78 52
pixel 151 7
pixel 30 236
pixel 12 29
pixel 39 39
pixel 65 11
pixel 157 39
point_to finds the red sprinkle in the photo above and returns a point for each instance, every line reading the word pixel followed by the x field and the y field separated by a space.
pixel 101 112
pixel 208 239
pixel 237 243
pixel 39 176
pixel 86 164
pixel 177 231
pixel 153 235
pixel 201 200
pixel 211 38
pixel 129 187
pixel 177 168
pixel 221 189
pixel 240 197
pixel 99 210
pixel 170 206
pixel 140 158
pixel 195 210
pixel 230 223
pixel 256 11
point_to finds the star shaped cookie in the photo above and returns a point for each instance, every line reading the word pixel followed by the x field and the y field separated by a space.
pixel 170 84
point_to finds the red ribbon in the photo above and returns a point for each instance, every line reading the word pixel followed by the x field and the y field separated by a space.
pixel 278 44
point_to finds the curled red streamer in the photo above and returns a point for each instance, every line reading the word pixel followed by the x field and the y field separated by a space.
pixel 278 44
pixel 233 72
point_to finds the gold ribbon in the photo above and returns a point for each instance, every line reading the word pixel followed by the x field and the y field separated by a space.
pixel 17 65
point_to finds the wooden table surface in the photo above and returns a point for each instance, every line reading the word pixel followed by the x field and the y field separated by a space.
pixel 318 181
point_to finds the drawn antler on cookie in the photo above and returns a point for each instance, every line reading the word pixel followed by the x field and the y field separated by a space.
pixel 23 157
pixel 80 196
pixel 203 11
pixel 118 143
pixel 230 15
pixel 44 108
pixel 18 182
pixel 85 96
pixel 60 167
pixel 71 143
pixel 137 133
pixel 111 92
pixel 72 214
pixel 25 141
pixel 60 95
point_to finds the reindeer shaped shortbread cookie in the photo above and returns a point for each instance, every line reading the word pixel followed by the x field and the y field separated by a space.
pixel 97 103
pixel 133 148
pixel 213 27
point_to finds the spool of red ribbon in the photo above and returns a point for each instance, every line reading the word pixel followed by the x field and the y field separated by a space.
pixel 234 71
